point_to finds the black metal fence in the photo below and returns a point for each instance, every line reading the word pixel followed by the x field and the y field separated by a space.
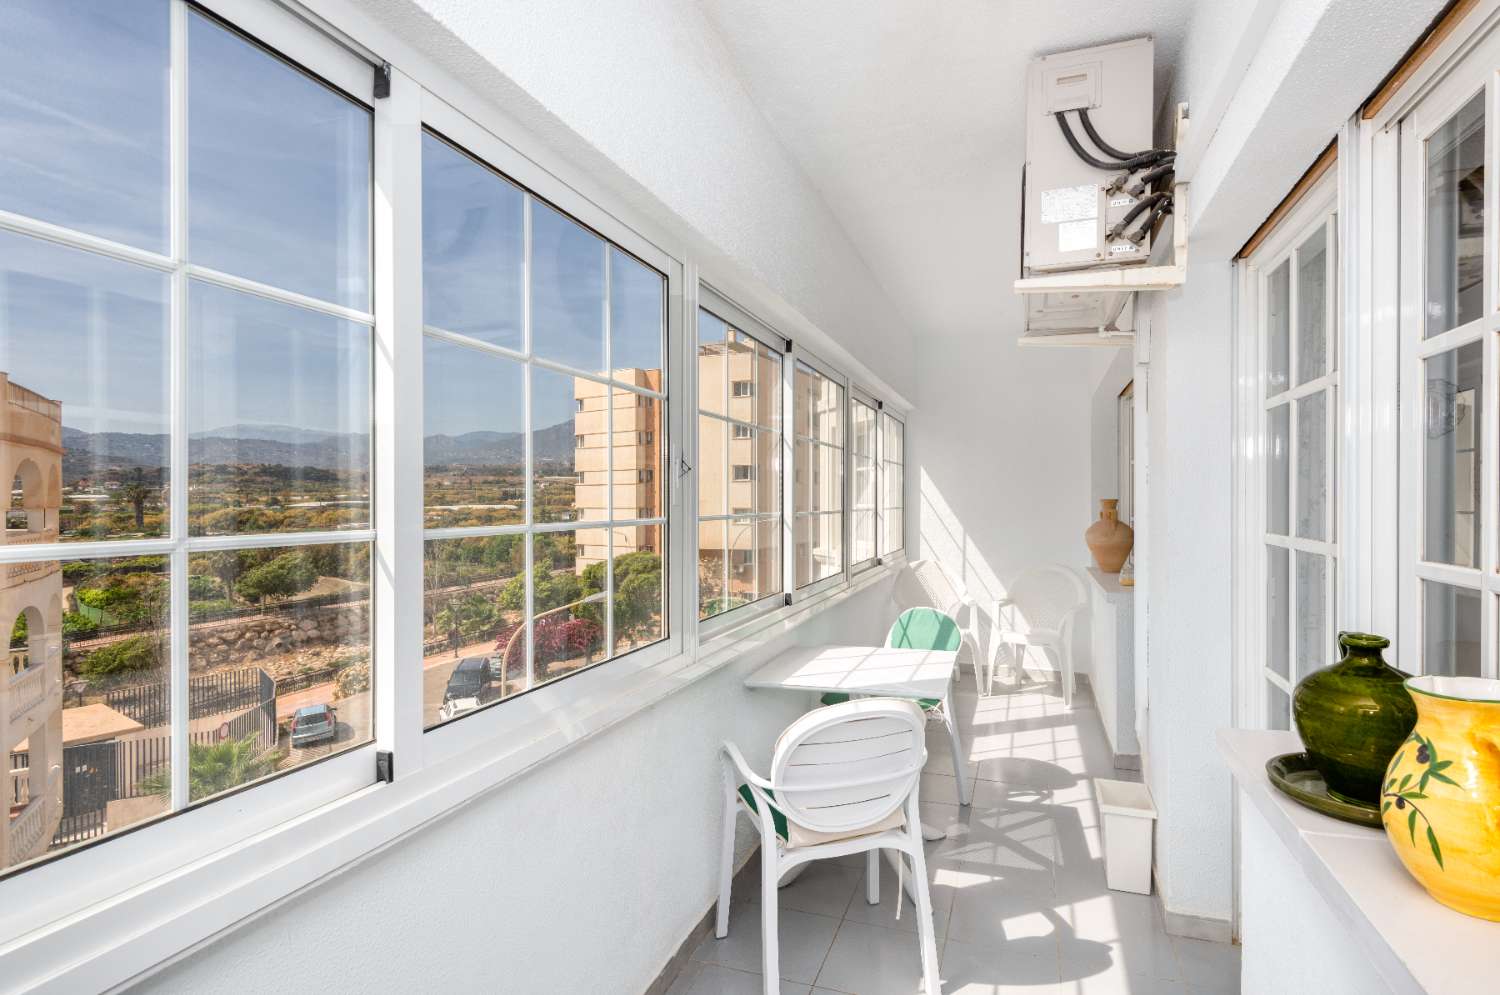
pixel 95 774
pixel 225 691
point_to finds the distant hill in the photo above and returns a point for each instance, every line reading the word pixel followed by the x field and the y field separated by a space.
pixel 85 454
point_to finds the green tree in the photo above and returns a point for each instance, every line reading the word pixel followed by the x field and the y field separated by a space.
pixel 638 594
pixel 286 575
pixel 216 767
pixel 137 494
pixel 226 566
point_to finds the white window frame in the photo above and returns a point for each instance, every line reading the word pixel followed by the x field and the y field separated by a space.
pixel 722 307
pixel 842 577
pixel 1450 90
pixel 859 395
pixel 111 912
pixel 493 723
pixel 527 360
pixel 1315 210
pixel 882 554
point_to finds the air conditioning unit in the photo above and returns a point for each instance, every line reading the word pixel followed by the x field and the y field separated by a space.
pixel 1095 194
pixel 1094 185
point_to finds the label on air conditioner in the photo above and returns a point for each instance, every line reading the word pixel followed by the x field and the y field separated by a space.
pixel 1122 202
pixel 1122 248
pixel 1077 236
pixel 1070 204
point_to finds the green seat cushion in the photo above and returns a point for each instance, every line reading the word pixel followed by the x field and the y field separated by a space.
pixel 928 704
pixel 778 819
pixel 834 698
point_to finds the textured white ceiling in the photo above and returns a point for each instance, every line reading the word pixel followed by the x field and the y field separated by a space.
pixel 908 117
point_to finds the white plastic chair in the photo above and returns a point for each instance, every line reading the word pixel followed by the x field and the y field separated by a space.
pixel 926 584
pixel 1042 607
pixel 843 780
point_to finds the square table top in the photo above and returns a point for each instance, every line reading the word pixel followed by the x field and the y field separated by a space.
pixel 879 670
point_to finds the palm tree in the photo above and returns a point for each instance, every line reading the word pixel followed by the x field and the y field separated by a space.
pixel 216 767
pixel 136 494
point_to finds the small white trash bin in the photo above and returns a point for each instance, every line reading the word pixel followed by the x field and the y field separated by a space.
pixel 1127 817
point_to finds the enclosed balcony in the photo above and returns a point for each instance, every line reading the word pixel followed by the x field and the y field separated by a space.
pixel 721 496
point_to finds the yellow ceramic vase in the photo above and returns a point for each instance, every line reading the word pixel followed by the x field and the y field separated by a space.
pixel 1440 800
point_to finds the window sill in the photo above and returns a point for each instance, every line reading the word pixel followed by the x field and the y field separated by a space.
pixel 156 921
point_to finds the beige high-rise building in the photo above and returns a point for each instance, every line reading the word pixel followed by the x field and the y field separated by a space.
pixel 31 682
pixel 634 455
pixel 739 470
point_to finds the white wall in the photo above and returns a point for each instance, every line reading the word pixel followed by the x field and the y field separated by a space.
pixel 582 876
pixel 1268 89
pixel 1188 547
pixel 1000 454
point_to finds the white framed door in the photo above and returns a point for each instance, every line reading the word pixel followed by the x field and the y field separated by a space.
pixel 1448 327
pixel 1288 381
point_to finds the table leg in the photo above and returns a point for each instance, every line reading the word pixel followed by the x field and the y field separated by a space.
pixel 892 856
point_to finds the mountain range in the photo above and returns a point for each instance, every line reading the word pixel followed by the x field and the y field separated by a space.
pixel 87 453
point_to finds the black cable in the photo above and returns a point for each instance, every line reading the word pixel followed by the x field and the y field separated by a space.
pixel 1140 207
pixel 1164 172
pixel 1150 158
pixel 1162 210
pixel 1079 150
pixel 1097 139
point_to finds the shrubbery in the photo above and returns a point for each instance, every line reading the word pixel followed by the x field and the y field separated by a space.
pixel 131 654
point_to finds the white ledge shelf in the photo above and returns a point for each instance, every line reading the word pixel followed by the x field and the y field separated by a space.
pixel 1416 944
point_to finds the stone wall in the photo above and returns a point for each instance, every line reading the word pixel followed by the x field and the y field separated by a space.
pixel 276 634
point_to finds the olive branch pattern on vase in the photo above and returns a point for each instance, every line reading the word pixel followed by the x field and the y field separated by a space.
pixel 1405 795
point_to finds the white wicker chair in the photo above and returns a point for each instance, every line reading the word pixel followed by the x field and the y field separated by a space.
pixel 926 584
pixel 1040 612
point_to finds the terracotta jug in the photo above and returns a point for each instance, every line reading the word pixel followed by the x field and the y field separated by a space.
pixel 1109 539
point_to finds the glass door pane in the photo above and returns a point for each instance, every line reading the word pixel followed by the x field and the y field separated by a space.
pixel 1455 219
pixel 1312 307
pixel 1278 494
pixel 1451 455
pixel 1312 466
pixel 1450 617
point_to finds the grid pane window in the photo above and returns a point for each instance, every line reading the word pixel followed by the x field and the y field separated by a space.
pixel 270 430
pixel 818 413
pixel 1449 577
pixel 892 484
pixel 539 448
pixel 739 467
pixel 1299 372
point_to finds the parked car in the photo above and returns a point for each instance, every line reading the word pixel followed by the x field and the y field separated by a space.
pixel 454 707
pixel 469 679
pixel 314 724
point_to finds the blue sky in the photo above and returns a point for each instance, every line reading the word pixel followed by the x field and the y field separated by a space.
pixel 279 192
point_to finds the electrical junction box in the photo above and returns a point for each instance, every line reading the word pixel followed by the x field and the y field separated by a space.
pixel 1069 208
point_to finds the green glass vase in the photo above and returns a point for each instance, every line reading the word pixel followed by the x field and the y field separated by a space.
pixel 1353 716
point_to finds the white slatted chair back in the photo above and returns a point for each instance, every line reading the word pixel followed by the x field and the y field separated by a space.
pixel 850 765
pixel 1043 597
pixel 925 584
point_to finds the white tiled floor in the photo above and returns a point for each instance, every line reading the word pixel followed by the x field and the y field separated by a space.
pixel 1018 889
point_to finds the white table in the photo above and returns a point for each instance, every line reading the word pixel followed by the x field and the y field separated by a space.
pixel 872 670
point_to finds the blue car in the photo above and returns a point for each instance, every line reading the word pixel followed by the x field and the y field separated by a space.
pixel 314 724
